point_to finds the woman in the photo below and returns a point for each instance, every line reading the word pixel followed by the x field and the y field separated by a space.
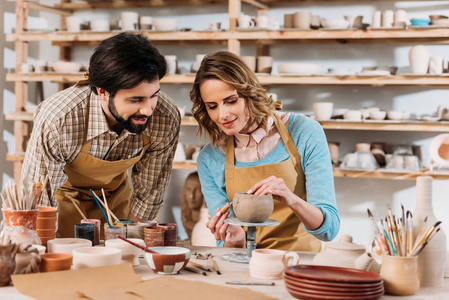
pixel 256 150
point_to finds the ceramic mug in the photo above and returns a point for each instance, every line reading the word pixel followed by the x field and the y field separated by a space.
pixel 245 21
pixel 264 64
pixel 323 110
pixel 171 64
pixel 377 18
pixel 436 65
pixel 288 20
pixel 130 20
pixel 302 19
pixel 262 21
pixel 99 25
pixel 250 61
pixel 387 19
pixel 353 115
pixel 73 23
pixel 270 263
pixel 400 275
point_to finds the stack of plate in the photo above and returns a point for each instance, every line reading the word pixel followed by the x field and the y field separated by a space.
pixel 324 282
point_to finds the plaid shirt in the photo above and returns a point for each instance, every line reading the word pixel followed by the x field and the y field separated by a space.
pixel 57 137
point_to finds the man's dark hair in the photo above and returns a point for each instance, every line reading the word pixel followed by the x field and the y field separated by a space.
pixel 123 62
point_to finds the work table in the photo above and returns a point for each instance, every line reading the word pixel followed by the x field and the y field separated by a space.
pixel 239 272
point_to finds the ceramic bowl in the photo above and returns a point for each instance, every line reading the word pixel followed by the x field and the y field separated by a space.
pixel 165 24
pixel 377 115
pixel 251 208
pixel 170 260
pixel 130 253
pixel 439 149
pixel 67 245
pixel 420 22
pixel 440 22
pixel 395 115
pixel 55 262
pixel 299 69
pixel 66 67
pixel 335 23
pixel 96 257
pixel 46 212
pixel 433 17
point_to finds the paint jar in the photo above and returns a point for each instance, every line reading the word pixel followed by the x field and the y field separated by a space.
pixel 115 232
pixel 85 231
pixel 106 225
pixel 135 230
pixel 97 224
pixel 170 233
pixel 154 236
pixel 126 221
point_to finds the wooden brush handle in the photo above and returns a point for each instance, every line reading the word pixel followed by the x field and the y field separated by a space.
pixel 223 210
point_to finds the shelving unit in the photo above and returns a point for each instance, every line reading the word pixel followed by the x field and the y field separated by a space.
pixel 233 38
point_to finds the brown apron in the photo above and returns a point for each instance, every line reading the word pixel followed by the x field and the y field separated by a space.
pixel 289 234
pixel 87 172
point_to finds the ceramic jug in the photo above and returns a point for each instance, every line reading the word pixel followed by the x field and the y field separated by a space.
pixel 346 254
pixel 270 263
pixel 431 259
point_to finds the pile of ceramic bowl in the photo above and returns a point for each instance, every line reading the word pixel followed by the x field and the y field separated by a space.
pixel 46 224
pixel 325 282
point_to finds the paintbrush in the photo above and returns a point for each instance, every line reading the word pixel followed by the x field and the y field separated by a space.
pixel 379 237
pixel 426 236
pixel 98 203
pixel 421 229
pixel 106 204
pixel 214 264
pixel 418 251
pixel 78 209
pixel 409 235
pixel 194 270
pixel 138 246
pixel 389 244
pixel 200 266
pixel 223 210
pixel 102 203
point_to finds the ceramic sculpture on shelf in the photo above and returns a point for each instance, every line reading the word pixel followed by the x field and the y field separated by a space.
pixel 192 200
pixel 431 259
pixel 419 59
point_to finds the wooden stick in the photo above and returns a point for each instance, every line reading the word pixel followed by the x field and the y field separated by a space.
pixel 214 264
pixel 102 203
pixel 78 209
pixel 107 206
pixel 222 210
pixel 199 266
pixel 43 188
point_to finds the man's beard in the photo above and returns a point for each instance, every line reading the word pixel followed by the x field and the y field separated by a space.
pixel 127 124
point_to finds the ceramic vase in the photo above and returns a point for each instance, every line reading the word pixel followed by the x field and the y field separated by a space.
pixel 431 259
pixel 419 59
pixel 399 275
pixel 201 235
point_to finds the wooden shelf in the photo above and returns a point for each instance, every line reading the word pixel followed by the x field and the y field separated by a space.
pixel 16 157
pixel 20 116
pixel 189 121
pixel 184 165
pixel 141 3
pixel 397 80
pixel 388 125
pixel 430 34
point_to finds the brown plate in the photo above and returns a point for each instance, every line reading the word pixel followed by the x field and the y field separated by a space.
pixel 306 296
pixel 332 293
pixel 334 284
pixel 322 288
pixel 332 274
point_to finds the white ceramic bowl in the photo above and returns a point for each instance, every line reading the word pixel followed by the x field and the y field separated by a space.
pixel 66 67
pixel 130 253
pixel 395 115
pixel 96 257
pixel 41 249
pixel 335 23
pixel 299 69
pixel 67 245
pixel 438 153
pixel 377 115
pixel 170 260
pixel 165 24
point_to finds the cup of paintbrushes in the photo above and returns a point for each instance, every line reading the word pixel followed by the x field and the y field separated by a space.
pixel 400 275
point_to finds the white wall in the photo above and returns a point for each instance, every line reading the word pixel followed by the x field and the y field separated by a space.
pixel 354 196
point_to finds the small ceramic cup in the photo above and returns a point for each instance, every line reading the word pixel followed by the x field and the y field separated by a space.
pixel 154 236
pixel 114 232
pixel 288 20
pixel 97 224
pixel 400 275
pixel 51 262
pixel 264 64
pixel 270 263
pixel 353 115
pixel 130 20
pixel 302 20
pixel 323 110
pixel 250 61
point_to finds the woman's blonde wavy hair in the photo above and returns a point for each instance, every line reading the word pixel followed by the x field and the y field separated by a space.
pixel 229 68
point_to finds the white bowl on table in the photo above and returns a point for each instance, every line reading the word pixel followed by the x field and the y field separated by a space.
pixel 96 257
pixel 130 253
pixel 67 245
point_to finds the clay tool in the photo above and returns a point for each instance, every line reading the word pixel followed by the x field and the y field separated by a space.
pixel 390 244
pixel 102 203
pixel 250 283
pixel 425 244
pixel 200 266
pixel 106 204
pixel 421 229
pixel 409 234
pixel 138 246
pixel 379 237
pixel 425 237
pixel 223 210
pixel 194 270
pixel 98 203
pixel 78 209
pixel 214 264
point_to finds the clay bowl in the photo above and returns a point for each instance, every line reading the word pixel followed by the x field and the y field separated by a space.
pixel 46 223
pixel 170 260
pixel 130 253
pixel 66 67
pixel 55 262
pixel 46 212
pixel 96 257
pixel 67 245
pixel 251 208
pixel 165 24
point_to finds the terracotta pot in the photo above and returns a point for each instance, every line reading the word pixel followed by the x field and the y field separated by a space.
pixel 26 218
pixel 55 262
pixel 45 232
pixel 46 223
pixel 251 208
pixel 400 275
pixel 47 212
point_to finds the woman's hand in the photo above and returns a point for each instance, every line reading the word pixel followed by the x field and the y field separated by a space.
pixel 233 235
pixel 275 186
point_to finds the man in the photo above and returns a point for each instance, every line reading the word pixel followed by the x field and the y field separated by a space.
pixel 87 136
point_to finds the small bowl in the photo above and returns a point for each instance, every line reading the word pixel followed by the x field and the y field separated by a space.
pixel 67 245
pixel 438 149
pixel 435 17
pixel 41 249
pixel 165 24
pixel 251 208
pixel 66 67
pixel 96 257
pixel 377 115
pixel 130 253
pixel 395 115
pixel 55 262
pixel 170 260
pixel 440 22
pixel 299 69
pixel 47 212
pixel 335 23
pixel 420 22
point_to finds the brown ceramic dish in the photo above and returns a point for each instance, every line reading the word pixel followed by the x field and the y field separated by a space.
pixel 306 296
pixel 251 208
pixel 332 274
pixel 55 262
pixel 170 260
pixel 328 284
pixel 333 293
pixel 352 289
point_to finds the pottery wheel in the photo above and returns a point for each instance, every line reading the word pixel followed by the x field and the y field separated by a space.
pixel 242 257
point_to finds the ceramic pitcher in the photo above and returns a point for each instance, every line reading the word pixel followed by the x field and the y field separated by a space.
pixel 270 263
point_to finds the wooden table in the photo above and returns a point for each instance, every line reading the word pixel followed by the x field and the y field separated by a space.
pixel 239 272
